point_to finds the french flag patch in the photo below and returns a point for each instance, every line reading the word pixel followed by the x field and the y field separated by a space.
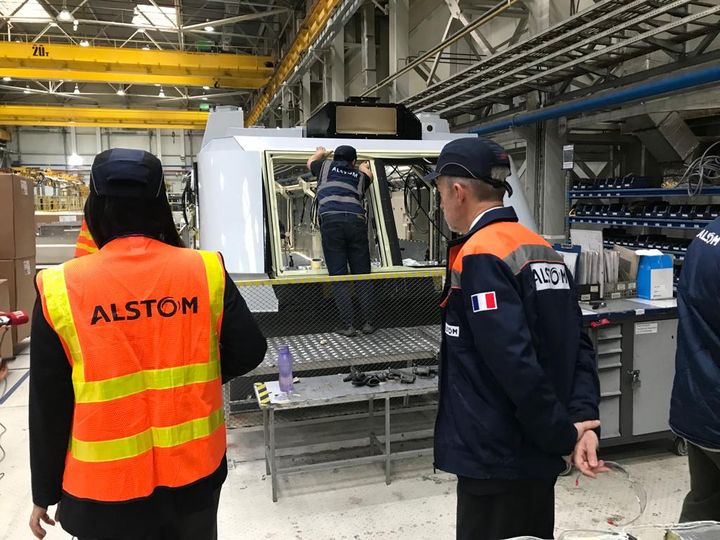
pixel 484 302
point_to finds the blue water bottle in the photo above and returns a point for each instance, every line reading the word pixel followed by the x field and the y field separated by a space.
pixel 285 369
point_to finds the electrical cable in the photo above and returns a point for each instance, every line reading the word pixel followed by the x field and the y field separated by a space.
pixel 2 394
pixel 302 216
pixel 706 168
pixel 407 189
pixel 185 200
pixel 431 220
pixel 4 430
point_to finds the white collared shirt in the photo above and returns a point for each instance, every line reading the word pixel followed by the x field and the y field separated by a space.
pixel 479 217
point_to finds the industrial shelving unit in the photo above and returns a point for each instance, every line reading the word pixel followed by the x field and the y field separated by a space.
pixel 652 223
pixel 627 353
pixel 679 254
pixel 691 222
pixel 637 192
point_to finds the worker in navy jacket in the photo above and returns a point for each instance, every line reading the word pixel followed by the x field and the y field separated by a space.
pixel 695 404
pixel 518 378
pixel 341 187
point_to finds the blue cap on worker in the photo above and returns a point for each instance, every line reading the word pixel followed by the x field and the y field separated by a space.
pixel 471 157
pixel 345 153
pixel 124 172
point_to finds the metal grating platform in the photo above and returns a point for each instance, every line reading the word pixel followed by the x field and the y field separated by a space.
pixel 592 41
pixel 329 350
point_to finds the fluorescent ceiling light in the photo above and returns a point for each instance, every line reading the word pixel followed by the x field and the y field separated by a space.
pixel 24 12
pixel 161 18
pixel 27 90
pixel 206 88
pixel 120 92
pixel 84 43
pixel 209 28
pixel 74 160
pixel 75 25
pixel 65 16
pixel 77 90
pixel 145 48
pixel 204 98
pixel 161 93
pixel 7 79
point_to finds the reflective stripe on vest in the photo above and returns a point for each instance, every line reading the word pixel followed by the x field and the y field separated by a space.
pixel 85 244
pixel 339 191
pixel 156 443
pixel 161 437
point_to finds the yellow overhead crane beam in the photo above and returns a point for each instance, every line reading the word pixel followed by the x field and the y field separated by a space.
pixel 48 61
pixel 314 22
pixel 40 115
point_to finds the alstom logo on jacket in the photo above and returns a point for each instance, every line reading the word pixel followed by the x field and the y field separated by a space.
pixel 340 189
pixel 136 309
pixel 550 276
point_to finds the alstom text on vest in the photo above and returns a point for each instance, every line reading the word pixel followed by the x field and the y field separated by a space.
pixel 132 311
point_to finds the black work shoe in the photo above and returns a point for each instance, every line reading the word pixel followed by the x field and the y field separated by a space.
pixel 367 328
pixel 347 332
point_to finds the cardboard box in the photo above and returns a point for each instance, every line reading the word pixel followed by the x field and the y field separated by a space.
pixel 655 275
pixel 20 274
pixel 17 207
pixel 6 343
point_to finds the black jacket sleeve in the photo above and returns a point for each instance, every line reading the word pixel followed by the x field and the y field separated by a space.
pixel 585 397
pixel 316 167
pixel 50 408
pixel 502 335
pixel 242 344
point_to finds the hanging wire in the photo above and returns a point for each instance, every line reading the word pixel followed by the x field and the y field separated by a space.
pixel 414 194
pixel 2 394
pixel 706 168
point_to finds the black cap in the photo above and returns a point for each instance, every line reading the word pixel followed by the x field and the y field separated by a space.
pixel 472 158
pixel 345 153
pixel 123 172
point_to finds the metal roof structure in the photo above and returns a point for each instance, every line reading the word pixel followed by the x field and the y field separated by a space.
pixel 592 42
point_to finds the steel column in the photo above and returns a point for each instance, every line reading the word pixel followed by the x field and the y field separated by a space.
pixel 337 63
pixel 399 46
pixel 369 52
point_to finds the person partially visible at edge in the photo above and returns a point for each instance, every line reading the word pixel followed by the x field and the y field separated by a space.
pixel 130 347
pixel 518 383
pixel 341 187
pixel 85 244
pixel 695 402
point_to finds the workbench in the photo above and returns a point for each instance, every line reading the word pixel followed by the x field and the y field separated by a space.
pixel 635 340
pixel 332 390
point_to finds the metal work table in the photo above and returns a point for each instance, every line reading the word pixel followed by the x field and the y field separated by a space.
pixel 331 390
pixel 330 350
pixel 629 308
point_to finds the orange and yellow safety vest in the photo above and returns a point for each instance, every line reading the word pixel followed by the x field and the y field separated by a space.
pixel 140 324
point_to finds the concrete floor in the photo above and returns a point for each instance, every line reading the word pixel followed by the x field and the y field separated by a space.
pixel 353 503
